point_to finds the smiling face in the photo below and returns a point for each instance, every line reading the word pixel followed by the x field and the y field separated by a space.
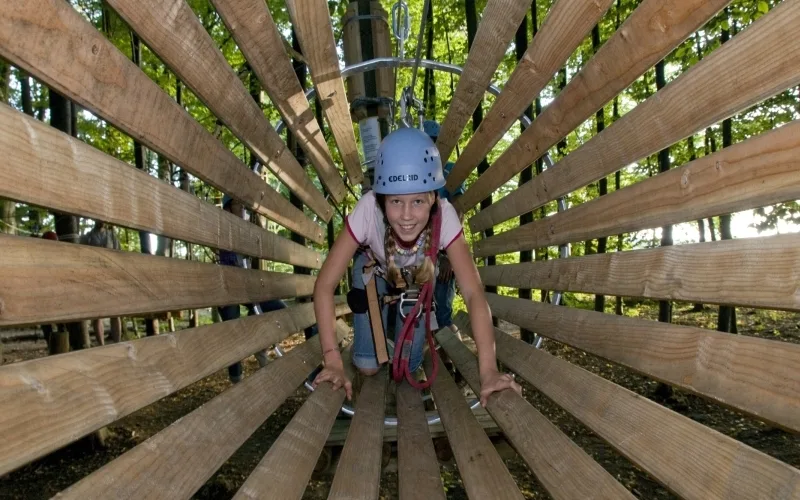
pixel 408 214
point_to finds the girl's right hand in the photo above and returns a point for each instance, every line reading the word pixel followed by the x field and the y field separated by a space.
pixel 333 372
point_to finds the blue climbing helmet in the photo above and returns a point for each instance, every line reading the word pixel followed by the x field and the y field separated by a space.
pixel 431 128
pixel 408 162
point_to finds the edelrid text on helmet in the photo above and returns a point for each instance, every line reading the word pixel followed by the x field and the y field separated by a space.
pixel 408 162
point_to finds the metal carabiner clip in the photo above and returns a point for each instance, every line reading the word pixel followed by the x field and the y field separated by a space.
pixel 401 31
pixel 409 298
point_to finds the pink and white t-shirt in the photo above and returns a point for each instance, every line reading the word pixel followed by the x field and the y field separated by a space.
pixel 366 226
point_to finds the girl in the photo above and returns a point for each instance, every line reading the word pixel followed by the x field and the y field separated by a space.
pixel 394 222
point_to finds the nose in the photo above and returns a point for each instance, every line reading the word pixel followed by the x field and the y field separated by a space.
pixel 407 213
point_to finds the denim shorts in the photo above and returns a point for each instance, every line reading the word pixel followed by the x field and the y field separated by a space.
pixel 363 350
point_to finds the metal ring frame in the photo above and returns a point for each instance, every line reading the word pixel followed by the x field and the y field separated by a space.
pixel 396 62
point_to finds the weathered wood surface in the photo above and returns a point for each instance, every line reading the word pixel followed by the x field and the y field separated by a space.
pixel 50 402
pixel 653 29
pixel 691 460
pixel 312 24
pixel 417 464
pixel 756 376
pixel 482 470
pixel 49 281
pixel 358 474
pixel 563 468
pixel 172 30
pixel 45 167
pixel 564 28
pixel 760 171
pixel 178 460
pixel 750 272
pixel 255 32
pixel 498 23
pixel 286 469
pixel 756 64
pixel 54 43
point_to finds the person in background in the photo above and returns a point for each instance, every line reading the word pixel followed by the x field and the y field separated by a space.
pixel 102 235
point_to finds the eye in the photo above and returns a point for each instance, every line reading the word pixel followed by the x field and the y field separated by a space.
pixel 419 201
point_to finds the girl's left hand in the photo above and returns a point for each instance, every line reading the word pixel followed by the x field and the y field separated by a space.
pixel 495 381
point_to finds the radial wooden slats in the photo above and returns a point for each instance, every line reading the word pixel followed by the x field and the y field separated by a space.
pixel 312 24
pixel 49 402
pixel 743 72
pixel 417 464
pixel 256 34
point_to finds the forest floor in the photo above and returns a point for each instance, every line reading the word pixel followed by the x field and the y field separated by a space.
pixel 47 476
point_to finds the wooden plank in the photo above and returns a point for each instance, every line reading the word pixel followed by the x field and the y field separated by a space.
pixel 756 376
pixel 256 34
pixel 312 24
pixel 565 27
pixel 178 460
pixel 758 172
pixel 563 468
pixel 654 29
pixel 50 402
pixel 732 78
pixel 482 470
pixel 750 272
pixel 418 467
pixel 48 168
pixel 49 281
pixel 286 469
pixel 499 21
pixel 171 29
pixel 691 460
pixel 358 474
pixel 54 43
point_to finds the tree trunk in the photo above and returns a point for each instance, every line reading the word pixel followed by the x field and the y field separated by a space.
pixel 291 140
pixel 701 226
pixel 429 83
pixel 602 184
pixel 164 244
pixel 664 306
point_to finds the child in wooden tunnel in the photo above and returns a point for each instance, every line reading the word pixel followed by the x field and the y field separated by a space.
pixel 402 225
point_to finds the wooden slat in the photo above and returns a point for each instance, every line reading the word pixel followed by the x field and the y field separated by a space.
pixel 499 21
pixel 48 168
pixel 178 460
pixel 49 281
pixel 312 24
pixel 756 376
pixel 564 28
pixel 693 461
pixel 418 468
pixel 50 402
pixel 286 469
pixel 482 470
pixel 54 43
pixel 653 29
pixel 563 468
pixel 256 34
pixel 751 272
pixel 732 78
pixel 758 172
pixel 171 29
pixel 358 474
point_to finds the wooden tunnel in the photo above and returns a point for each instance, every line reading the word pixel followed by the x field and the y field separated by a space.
pixel 47 403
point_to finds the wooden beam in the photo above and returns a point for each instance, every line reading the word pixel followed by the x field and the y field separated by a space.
pixel 499 21
pixel 563 468
pixel 286 469
pixel 178 460
pixel 358 474
pixel 312 24
pixel 758 172
pixel 171 29
pixel 750 272
pixel 565 27
pixel 45 167
pixel 50 402
pixel 49 281
pixel 54 43
pixel 256 34
pixel 417 465
pixel 732 78
pixel 689 459
pixel 482 470
pixel 753 375
pixel 654 29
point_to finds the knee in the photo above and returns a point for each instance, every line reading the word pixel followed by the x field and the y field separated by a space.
pixel 368 371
